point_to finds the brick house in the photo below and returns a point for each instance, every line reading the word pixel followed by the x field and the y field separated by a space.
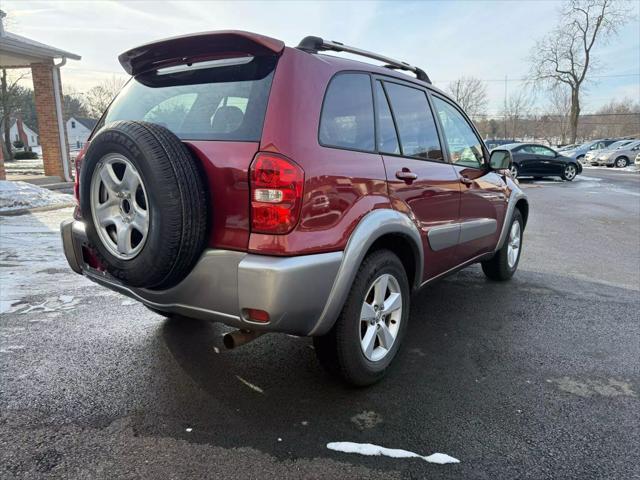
pixel 20 52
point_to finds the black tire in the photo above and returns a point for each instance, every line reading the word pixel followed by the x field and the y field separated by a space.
pixel 497 268
pixel 621 162
pixel 177 203
pixel 565 172
pixel 339 351
pixel 515 171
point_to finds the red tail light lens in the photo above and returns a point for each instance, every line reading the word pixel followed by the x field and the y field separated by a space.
pixel 276 193
pixel 76 180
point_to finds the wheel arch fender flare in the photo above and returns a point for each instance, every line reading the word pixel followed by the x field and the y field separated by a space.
pixel 371 228
pixel 517 200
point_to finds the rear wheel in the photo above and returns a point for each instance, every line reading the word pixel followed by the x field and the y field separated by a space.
pixel 505 262
pixel 368 333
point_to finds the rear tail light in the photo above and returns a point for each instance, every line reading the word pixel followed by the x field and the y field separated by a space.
pixel 76 181
pixel 276 193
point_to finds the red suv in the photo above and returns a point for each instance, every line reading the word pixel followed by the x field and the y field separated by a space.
pixel 280 189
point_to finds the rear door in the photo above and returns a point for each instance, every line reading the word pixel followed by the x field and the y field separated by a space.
pixel 420 181
pixel 483 199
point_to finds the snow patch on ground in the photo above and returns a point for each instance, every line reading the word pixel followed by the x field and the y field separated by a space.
pixel 375 450
pixel 21 195
pixel 27 242
pixel 628 168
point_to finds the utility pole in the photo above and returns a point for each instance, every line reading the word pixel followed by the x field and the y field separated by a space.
pixel 504 115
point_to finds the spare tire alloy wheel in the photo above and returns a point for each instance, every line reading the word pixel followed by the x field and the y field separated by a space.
pixel 119 206
pixel 144 204
pixel 380 317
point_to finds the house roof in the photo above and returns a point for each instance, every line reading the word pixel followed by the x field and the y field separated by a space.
pixel 87 122
pixel 19 51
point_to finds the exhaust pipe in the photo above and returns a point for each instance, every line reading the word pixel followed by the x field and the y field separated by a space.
pixel 238 338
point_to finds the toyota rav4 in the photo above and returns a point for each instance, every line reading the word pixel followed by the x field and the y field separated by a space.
pixel 280 189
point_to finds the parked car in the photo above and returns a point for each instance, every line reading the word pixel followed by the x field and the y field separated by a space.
pixel 580 151
pixel 537 161
pixel 637 161
pixel 618 157
pixel 591 157
pixel 279 189
pixel 491 144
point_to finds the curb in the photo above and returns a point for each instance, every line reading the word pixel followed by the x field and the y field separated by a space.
pixel 24 211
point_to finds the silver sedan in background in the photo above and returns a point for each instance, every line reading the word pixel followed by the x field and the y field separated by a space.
pixel 619 157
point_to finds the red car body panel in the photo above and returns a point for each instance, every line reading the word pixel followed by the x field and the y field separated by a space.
pixel 433 200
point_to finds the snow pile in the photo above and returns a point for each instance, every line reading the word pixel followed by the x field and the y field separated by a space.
pixel 22 195
pixel 370 449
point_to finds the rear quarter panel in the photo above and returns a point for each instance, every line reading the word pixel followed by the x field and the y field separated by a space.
pixel 340 186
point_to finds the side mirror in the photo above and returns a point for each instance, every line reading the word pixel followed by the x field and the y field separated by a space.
pixel 500 159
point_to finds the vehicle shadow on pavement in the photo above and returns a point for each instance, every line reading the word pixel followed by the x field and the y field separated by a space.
pixel 478 361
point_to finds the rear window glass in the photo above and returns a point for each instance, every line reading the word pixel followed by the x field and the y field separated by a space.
pixel 347 113
pixel 226 102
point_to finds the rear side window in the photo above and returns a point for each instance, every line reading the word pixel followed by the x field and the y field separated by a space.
pixel 416 126
pixel 226 102
pixel 347 113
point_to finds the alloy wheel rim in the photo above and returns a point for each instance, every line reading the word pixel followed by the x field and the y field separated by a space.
pixel 570 172
pixel 513 248
pixel 380 317
pixel 621 163
pixel 119 206
pixel 514 171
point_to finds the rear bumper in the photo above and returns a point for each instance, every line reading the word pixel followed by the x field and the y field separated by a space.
pixel 295 291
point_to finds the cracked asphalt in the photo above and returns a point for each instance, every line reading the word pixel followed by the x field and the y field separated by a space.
pixel 535 378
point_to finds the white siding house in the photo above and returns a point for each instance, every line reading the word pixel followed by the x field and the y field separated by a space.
pixel 78 130
pixel 32 136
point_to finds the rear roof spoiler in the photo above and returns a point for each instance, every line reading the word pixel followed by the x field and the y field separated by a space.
pixel 196 47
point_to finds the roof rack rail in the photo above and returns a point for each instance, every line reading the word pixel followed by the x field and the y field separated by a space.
pixel 313 44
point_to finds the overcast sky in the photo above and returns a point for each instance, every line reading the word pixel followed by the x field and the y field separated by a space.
pixel 485 39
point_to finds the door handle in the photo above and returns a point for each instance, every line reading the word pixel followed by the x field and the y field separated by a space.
pixel 466 181
pixel 406 175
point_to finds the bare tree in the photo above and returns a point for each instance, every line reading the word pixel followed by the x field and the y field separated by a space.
pixel 565 56
pixel 9 102
pixel 471 94
pixel 517 107
pixel 98 98
pixel 560 111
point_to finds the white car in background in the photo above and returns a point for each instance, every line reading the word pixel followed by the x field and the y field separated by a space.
pixel 618 157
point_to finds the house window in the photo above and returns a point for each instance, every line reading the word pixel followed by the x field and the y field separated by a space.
pixel 33 139
pixel 73 124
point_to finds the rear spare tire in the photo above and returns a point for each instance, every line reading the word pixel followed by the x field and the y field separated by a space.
pixel 144 202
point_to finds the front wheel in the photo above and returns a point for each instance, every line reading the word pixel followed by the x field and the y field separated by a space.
pixel 368 333
pixel 514 170
pixel 505 262
pixel 569 173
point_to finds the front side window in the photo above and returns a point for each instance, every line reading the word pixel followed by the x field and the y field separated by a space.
pixel 416 126
pixel 544 151
pixel 347 113
pixel 465 147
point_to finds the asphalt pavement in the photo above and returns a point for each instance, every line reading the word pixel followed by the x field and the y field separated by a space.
pixel 535 378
